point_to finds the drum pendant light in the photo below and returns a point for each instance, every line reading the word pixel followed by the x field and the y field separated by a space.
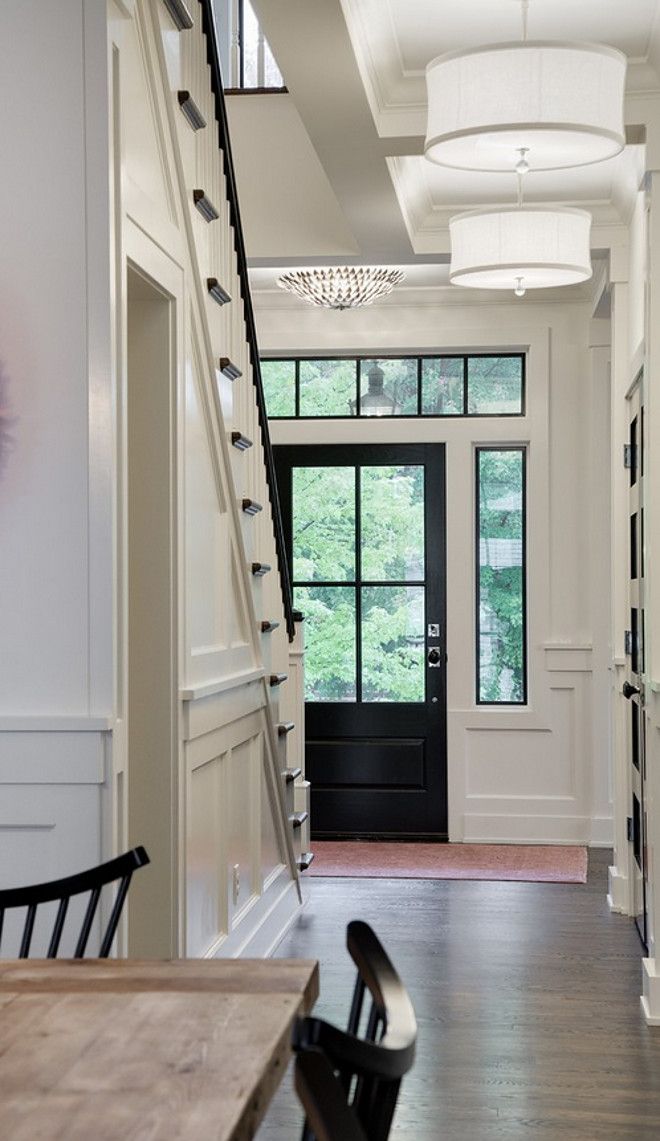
pixel 560 102
pixel 520 249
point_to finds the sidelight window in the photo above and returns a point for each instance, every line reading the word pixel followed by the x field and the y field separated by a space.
pixel 500 576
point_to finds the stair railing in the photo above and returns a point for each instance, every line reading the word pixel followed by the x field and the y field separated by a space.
pixel 213 59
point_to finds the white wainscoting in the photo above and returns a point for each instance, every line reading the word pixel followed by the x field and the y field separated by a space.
pixel 51 787
pixel 524 775
pixel 239 892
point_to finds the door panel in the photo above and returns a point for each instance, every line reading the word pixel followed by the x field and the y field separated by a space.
pixel 365 528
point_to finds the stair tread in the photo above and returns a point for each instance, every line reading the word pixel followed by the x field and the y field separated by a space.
pixel 229 369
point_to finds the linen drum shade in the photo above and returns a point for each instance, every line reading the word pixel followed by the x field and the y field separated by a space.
pixel 492 249
pixel 562 102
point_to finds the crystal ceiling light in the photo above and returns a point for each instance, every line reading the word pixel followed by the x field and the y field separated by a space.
pixel 561 103
pixel 341 287
pixel 520 249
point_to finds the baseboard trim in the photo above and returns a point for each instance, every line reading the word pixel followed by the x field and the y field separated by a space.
pixel 507 828
pixel 264 925
pixel 618 894
pixel 650 998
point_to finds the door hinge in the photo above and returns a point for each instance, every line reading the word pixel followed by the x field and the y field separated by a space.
pixel 627 643
pixel 629 829
pixel 627 456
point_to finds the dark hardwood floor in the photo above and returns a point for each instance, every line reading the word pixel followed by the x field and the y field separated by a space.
pixel 527 998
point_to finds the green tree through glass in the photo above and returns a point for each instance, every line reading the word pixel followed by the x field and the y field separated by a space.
pixel 392 550
pixel 501 631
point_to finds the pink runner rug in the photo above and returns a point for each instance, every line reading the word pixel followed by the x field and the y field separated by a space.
pixel 534 863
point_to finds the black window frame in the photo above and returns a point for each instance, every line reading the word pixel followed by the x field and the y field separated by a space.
pixel 522 449
pixel 419 357
pixel 241 89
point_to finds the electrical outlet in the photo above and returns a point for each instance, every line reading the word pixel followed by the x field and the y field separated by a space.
pixel 236 882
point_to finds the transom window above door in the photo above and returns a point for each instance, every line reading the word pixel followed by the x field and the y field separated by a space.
pixel 480 384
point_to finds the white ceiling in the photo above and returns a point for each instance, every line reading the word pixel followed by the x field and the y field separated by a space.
pixel 393 41
pixel 355 71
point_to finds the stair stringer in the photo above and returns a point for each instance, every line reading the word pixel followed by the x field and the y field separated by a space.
pixel 212 721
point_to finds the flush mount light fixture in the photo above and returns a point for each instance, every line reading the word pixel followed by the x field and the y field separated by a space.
pixel 341 287
pixel 560 102
pixel 520 249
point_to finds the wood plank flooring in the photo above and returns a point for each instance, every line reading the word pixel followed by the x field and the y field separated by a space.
pixel 527 998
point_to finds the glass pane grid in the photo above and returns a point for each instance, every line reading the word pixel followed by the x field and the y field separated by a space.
pixel 359 565
pixel 440 386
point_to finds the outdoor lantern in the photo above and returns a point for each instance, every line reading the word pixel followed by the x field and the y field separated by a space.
pixel 375 401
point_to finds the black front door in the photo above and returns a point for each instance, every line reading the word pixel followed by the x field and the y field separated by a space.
pixel 365 527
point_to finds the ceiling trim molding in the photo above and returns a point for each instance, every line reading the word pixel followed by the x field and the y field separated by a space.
pixel 397 95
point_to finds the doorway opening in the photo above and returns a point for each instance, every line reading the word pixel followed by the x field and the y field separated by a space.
pixel 150 595
pixel 365 528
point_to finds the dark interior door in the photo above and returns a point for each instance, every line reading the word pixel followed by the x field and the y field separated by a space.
pixel 634 685
pixel 365 528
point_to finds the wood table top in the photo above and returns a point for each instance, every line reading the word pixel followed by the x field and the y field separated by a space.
pixel 126 1050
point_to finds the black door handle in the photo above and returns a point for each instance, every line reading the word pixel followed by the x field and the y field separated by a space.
pixel 629 690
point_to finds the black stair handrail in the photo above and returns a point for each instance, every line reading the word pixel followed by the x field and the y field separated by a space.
pixel 213 60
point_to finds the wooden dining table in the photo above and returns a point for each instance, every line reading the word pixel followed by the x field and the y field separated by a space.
pixel 132 1050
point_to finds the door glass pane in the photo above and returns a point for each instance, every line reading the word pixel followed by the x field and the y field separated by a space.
pixel 442 386
pixel 323 524
pixel 500 576
pixel 392 502
pixel 495 385
pixel 279 381
pixel 393 643
pixel 330 659
pixel 394 382
pixel 327 387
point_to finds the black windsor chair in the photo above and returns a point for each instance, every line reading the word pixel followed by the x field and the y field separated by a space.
pixel 92 880
pixel 329 1116
pixel 369 1067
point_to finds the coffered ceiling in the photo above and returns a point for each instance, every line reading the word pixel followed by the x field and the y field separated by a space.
pixel 355 73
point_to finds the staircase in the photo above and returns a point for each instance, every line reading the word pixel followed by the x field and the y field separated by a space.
pixel 205 149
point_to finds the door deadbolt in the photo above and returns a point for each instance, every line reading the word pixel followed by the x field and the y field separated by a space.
pixel 434 657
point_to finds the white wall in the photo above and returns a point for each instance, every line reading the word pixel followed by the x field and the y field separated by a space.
pixel 98 172
pixel 56 670
pixel 540 772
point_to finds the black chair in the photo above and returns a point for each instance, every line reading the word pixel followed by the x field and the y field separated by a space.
pixel 93 880
pixel 324 1100
pixel 369 1066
